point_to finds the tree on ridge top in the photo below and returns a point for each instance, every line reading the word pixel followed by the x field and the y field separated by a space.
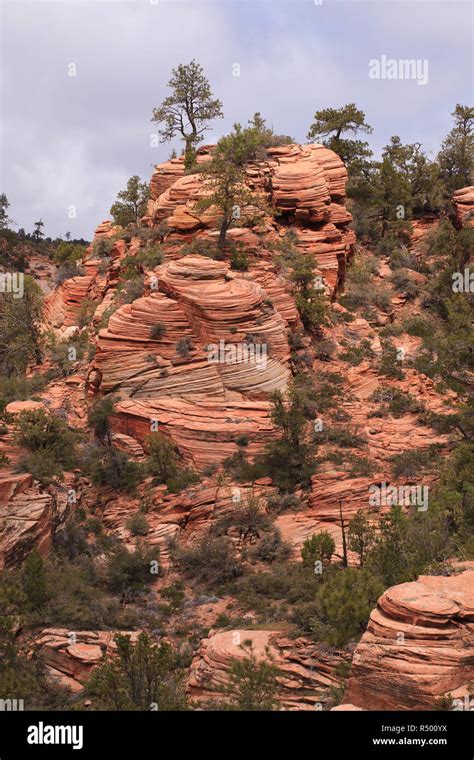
pixel 329 126
pixel 188 109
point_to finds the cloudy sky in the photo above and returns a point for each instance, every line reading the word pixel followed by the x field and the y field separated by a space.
pixel 73 141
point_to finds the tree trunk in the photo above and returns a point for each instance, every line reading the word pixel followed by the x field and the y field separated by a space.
pixel 344 544
pixel 189 153
pixel 223 232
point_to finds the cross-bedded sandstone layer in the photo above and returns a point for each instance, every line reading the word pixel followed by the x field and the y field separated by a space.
pixel 419 645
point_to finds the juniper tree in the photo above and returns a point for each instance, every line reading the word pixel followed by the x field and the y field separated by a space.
pixel 318 548
pixel 252 684
pixel 361 536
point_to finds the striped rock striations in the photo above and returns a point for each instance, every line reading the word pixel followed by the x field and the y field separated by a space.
pixel 418 647
pixel 306 670
pixel 463 201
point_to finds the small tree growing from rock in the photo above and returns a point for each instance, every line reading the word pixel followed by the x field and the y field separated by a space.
pixel 225 177
pixel 131 202
pixel 253 683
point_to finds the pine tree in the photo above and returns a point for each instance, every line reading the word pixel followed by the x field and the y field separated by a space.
pixel 38 233
pixel 252 684
pixel 331 124
pixel 131 203
pixel 188 109
pixel 456 157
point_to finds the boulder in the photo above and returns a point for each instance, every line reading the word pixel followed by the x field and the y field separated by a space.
pixel 419 645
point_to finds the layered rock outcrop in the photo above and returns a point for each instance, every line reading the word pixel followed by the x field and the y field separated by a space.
pixel 306 670
pixel 29 517
pixel 419 645
pixel 305 184
pixel 463 200
pixel 71 656
pixel 180 517
pixel 206 374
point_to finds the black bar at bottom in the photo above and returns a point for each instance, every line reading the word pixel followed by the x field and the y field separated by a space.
pixel 133 735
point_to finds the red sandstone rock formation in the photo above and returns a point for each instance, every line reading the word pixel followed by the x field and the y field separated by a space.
pixel 179 517
pixel 203 403
pixel 70 656
pixel 306 669
pixel 419 645
pixel 463 200
pixel 29 518
pixel 306 184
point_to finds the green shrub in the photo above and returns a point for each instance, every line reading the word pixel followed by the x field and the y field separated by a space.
pixel 76 597
pixel 360 536
pixel 141 676
pixel 144 260
pixel 360 466
pixel 344 603
pixel 67 252
pixel 183 478
pixel 65 354
pixel 325 349
pixel 328 391
pixel 99 418
pixel 404 284
pixel 391 330
pixel 408 545
pixel 396 402
pixel 130 291
pixel 271 548
pixel 138 525
pixel 389 363
pixel 86 313
pixel 67 271
pixel 42 465
pixel 252 684
pixel 184 347
pixel 239 260
pixel 201 247
pixel 319 548
pixel 101 248
pixel 163 464
pixel 419 326
pixel 280 503
pixel 361 290
pixel 130 572
pixel 111 468
pixel 211 560
pixel 356 354
pixel 40 432
pixel 33 581
pixel 157 331
pixel 270 592
pixel 410 463
pixel 344 436
pixel 19 388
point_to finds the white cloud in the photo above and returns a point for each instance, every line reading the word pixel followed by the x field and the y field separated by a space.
pixel 81 138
